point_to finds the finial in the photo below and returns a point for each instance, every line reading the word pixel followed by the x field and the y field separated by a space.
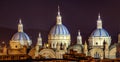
pixel 99 16
pixel 78 32
pixel 85 42
pixel 58 10
pixel 39 34
pixel 20 21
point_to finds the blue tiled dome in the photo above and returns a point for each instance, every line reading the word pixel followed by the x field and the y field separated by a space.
pixel 59 29
pixel 100 33
pixel 20 36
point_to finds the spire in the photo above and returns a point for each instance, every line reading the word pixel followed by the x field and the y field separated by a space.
pixel 59 21
pixel 20 26
pixel 99 22
pixel 79 33
pixel 58 10
pixel 39 34
pixel 20 22
pixel 99 18
pixel 79 38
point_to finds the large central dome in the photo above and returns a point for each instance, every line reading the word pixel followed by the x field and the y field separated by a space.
pixel 59 29
pixel 59 34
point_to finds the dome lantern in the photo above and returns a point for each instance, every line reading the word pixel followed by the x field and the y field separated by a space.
pixel 59 18
pixel 99 22
pixel 20 26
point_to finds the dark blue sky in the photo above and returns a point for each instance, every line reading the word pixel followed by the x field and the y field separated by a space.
pixel 40 16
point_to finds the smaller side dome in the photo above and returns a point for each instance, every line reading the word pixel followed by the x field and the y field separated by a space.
pixel 20 36
pixel 100 33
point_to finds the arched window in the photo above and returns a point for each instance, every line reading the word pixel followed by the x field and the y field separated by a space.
pixel 96 55
pixel 61 46
pixel 96 43
pixel 53 45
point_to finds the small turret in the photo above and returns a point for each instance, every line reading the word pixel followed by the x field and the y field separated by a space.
pixel 38 45
pixel 85 49
pixel 20 26
pixel 79 38
pixel 39 40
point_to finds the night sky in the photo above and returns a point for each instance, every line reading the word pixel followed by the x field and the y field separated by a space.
pixel 40 16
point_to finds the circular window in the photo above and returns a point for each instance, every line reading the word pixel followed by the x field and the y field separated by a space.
pixel 16 46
